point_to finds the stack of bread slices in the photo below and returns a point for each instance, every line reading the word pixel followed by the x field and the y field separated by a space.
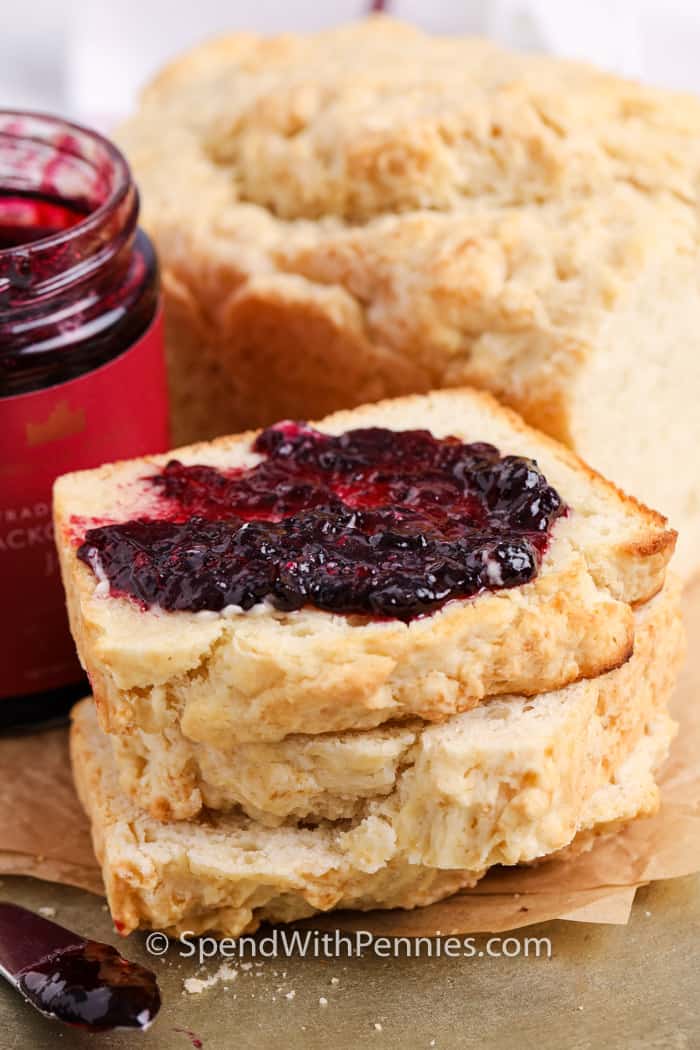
pixel 271 764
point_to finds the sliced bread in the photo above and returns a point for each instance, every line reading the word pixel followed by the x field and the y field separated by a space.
pixel 226 873
pixel 266 674
pixel 557 747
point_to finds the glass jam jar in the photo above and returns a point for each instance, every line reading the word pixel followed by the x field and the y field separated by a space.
pixel 82 377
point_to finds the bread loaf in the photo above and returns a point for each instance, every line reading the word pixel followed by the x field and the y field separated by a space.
pixel 371 211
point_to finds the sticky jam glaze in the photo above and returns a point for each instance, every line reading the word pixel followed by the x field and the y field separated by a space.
pixel 91 986
pixel 374 521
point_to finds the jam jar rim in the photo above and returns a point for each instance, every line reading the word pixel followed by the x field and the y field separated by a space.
pixel 71 300
pixel 46 269
pixel 122 185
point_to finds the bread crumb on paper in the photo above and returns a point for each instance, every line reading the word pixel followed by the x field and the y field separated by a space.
pixel 197 985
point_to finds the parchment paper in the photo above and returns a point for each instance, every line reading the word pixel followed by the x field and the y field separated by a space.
pixel 43 832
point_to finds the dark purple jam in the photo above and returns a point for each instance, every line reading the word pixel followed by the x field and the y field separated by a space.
pixel 73 979
pixel 94 987
pixel 374 521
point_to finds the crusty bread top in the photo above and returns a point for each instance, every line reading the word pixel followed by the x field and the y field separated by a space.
pixel 461 214
pixel 377 117
pixel 626 545
pixel 387 137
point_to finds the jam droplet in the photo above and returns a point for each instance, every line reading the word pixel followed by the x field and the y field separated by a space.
pixel 193 1038
pixel 92 986
pixel 372 521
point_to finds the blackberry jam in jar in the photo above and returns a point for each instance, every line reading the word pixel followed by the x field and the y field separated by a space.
pixel 82 377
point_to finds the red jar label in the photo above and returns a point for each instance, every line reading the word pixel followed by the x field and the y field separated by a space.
pixel 114 412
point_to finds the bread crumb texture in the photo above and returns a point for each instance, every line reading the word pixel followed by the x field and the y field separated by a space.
pixel 515 780
pixel 342 776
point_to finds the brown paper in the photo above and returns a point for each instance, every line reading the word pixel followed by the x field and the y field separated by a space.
pixel 43 832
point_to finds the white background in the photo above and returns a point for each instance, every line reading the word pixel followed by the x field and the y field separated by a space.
pixel 87 58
